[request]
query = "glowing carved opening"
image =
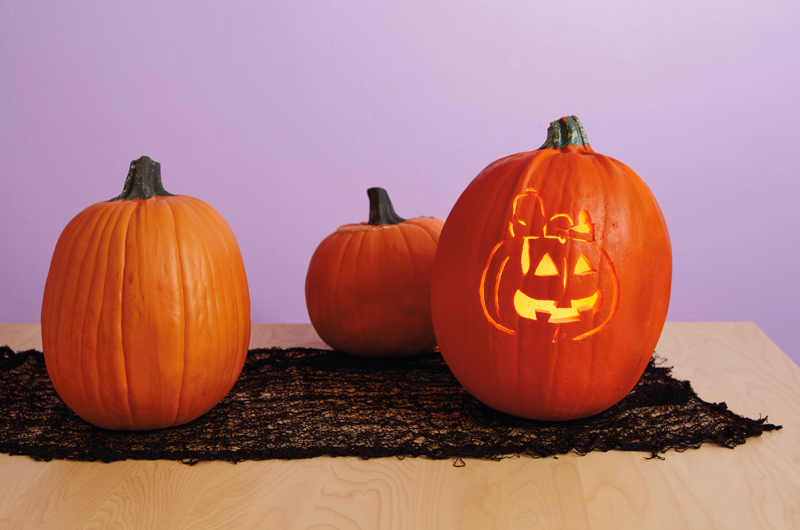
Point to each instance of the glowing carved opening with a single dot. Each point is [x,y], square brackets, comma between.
[527,307]
[584,266]
[546,267]
[526,257]
[520,216]
[558,227]
[584,223]
[529,214]
[497,286]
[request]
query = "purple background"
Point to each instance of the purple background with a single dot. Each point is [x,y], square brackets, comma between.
[281,114]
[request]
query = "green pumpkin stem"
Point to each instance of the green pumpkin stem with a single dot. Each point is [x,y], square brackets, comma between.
[381,211]
[566,131]
[143,182]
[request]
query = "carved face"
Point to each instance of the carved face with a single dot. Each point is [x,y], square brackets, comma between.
[558,281]
[558,276]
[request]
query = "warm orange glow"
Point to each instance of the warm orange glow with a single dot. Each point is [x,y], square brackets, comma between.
[561,227]
[527,193]
[584,266]
[553,231]
[584,223]
[482,290]
[497,286]
[526,257]
[614,300]
[546,267]
[566,216]
[527,307]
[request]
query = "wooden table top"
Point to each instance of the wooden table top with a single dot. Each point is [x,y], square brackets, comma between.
[756,485]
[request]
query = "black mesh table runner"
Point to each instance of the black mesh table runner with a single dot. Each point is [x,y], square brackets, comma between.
[302,403]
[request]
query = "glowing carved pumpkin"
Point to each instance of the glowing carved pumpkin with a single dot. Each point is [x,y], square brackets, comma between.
[559,263]
[552,279]
[368,284]
[146,309]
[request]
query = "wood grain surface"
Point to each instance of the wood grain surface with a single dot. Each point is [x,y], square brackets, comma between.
[755,486]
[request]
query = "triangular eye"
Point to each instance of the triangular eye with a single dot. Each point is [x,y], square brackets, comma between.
[546,267]
[584,266]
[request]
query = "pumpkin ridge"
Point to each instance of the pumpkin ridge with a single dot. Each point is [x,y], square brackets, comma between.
[79,363]
[78,316]
[130,236]
[357,275]
[126,213]
[170,361]
[119,326]
[54,289]
[531,167]
[612,176]
[424,227]
[225,270]
[212,305]
[340,251]
[240,290]
[335,291]
[94,334]
[638,189]
[65,256]
[202,220]
[183,291]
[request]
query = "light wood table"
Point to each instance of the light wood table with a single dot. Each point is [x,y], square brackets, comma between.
[756,485]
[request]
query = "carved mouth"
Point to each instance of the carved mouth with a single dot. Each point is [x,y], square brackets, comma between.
[527,307]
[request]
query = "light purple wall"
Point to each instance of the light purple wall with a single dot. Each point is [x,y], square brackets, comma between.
[281,114]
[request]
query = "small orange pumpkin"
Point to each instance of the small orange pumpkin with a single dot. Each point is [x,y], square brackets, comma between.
[552,280]
[146,309]
[368,284]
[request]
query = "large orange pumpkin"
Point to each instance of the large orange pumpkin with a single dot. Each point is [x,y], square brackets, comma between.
[368,285]
[146,310]
[552,280]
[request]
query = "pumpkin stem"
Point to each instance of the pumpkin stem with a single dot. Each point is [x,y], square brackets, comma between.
[381,211]
[143,182]
[566,131]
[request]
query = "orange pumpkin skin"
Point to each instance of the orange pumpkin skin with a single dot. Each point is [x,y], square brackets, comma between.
[146,312]
[571,339]
[368,287]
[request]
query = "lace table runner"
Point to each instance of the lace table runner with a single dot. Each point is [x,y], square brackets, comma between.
[302,403]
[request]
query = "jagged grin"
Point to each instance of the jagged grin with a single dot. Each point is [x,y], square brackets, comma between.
[527,307]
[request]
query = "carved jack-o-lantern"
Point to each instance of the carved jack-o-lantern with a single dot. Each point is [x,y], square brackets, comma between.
[549,273]
[552,280]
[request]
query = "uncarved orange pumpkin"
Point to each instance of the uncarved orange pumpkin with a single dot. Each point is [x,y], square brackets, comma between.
[368,285]
[146,310]
[552,280]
